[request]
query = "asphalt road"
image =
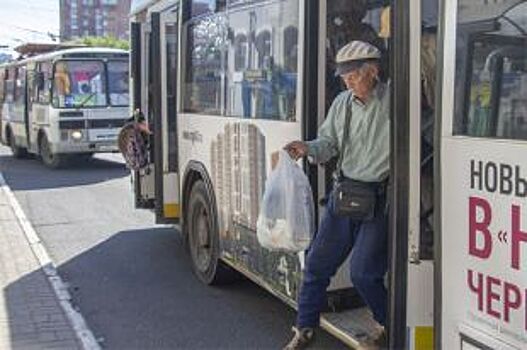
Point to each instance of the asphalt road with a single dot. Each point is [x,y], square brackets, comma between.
[131,279]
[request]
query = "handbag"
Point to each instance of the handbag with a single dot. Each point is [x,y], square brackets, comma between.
[353,199]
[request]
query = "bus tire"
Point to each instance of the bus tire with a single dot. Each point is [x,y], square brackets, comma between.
[50,159]
[203,239]
[18,152]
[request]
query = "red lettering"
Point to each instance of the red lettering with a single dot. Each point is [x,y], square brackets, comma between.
[479,227]
[509,303]
[518,236]
[478,289]
[498,298]
[491,296]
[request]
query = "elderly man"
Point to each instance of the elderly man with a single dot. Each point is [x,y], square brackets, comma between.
[366,160]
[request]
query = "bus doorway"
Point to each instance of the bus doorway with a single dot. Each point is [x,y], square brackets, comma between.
[406,36]
[156,62]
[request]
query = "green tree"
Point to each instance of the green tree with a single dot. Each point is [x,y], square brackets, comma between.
[104,41]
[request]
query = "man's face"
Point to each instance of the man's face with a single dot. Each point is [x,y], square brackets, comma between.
[361,80]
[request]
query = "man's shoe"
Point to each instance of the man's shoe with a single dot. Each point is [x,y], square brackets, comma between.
[301,338]
[375,342]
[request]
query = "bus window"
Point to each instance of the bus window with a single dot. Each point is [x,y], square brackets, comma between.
[3,77]
[429,11]
[20,85]
[9,86]
[118,83]
[353,20]
[206,37]
[200,7]
[79,83]
[492,72]
[262,76]
[44,93]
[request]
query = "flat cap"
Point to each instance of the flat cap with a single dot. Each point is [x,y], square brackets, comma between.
[353,54]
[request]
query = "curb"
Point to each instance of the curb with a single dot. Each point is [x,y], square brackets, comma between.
[83,333]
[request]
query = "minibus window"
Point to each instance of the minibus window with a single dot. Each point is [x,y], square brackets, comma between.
[44,92]
[118,83]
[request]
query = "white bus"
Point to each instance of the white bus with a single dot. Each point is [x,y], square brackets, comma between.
[225,83]
[65,103]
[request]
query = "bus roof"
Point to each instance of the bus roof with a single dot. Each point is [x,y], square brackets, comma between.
[33,49]
[87,52]
[139,5]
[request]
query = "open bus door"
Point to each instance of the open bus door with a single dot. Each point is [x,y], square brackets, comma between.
[156,41]
[143,179]
[168,160]
[402,29]
[3,76]
[483,251]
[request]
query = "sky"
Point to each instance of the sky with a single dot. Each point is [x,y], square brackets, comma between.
[27,21]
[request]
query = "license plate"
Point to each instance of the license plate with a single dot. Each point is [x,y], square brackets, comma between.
[106,148]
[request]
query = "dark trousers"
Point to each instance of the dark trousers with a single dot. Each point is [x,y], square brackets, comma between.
[335,239]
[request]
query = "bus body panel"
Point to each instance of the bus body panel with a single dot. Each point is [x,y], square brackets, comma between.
[483,185]
[237,156]
[485,275]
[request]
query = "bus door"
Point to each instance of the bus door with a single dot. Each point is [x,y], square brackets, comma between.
[405,34]
[168,194]
[412,290]
[157,186]
[141,72]
[483,274]
[31,97]
[3,77]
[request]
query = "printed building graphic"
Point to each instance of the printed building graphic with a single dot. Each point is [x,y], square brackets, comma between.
[238,172]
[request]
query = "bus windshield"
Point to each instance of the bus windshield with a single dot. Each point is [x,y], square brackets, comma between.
[118,83]
[83,84]
[79,84]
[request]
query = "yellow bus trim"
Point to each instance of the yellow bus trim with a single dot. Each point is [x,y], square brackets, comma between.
[424,338]
[172,210]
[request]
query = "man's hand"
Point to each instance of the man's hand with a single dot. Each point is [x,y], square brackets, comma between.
[296,149]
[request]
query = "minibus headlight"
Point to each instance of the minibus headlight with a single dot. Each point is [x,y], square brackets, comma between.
[76,135]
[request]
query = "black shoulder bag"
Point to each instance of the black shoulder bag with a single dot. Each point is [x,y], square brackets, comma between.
[353,199]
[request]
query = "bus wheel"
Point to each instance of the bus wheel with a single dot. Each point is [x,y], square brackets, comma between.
[203,239]
[18,152]
[50,159]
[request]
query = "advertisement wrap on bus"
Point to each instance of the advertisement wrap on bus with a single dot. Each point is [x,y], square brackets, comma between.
[484,183]
[487,217]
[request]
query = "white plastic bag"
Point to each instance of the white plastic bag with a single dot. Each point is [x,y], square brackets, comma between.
[286,220]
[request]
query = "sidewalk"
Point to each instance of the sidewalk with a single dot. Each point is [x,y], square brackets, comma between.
[31,314]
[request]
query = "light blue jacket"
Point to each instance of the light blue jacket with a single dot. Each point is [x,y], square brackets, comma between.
[367,152]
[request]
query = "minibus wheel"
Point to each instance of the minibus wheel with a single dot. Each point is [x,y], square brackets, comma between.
[50,159]
[203,238]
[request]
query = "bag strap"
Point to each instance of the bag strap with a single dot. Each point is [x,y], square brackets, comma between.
[347,126]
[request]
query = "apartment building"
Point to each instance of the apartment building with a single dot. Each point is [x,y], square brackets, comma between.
[80,18]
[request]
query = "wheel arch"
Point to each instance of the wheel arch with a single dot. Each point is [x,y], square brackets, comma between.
[196,171]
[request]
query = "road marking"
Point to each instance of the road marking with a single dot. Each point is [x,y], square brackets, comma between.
[81,329]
